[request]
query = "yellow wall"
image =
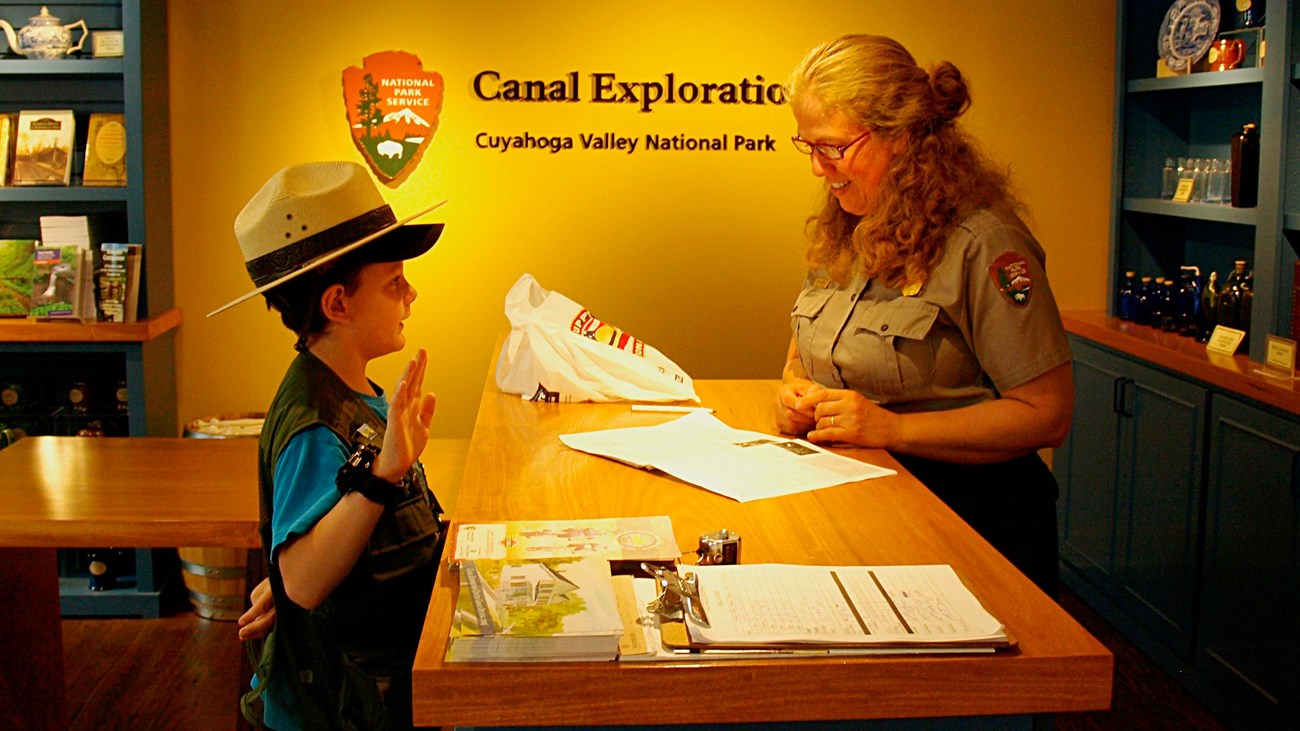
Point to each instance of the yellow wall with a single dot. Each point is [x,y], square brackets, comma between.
[697,253]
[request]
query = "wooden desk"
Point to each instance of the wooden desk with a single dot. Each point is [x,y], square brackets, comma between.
[516,468]
[70,492]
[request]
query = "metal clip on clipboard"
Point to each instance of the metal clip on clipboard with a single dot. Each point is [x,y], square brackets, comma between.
[678,595]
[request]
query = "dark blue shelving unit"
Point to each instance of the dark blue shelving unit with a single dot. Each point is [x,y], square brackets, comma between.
[1180,493]
[142,354]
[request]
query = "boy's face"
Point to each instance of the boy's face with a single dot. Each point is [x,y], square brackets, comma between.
[379,304]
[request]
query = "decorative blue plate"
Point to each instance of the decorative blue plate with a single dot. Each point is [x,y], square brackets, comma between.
[1187,32]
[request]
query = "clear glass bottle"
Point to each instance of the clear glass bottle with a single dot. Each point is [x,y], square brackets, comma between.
[1128,296]
[1168,179]
[1199,173]
[1214,178]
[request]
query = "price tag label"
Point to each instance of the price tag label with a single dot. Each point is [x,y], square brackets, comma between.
[1225,340]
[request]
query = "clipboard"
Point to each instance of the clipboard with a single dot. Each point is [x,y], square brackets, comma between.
[676,638]
[679,607]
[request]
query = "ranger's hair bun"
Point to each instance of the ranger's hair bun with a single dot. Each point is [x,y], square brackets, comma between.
[951,96]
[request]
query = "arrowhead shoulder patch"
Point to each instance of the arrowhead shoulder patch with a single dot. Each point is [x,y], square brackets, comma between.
[1010,273]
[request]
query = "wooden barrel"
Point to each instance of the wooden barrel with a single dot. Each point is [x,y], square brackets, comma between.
[217,578]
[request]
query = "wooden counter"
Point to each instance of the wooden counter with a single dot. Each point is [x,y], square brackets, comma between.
[1237,373]
[516,468]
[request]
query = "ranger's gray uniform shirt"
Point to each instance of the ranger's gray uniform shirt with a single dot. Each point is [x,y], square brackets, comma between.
[984,322]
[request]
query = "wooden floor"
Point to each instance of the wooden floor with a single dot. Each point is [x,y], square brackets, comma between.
[183,672]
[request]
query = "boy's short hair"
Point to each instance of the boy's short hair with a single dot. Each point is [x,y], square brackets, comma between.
[298,300]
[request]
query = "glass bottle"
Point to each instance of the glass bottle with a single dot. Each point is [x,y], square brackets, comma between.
[1200,171]
[1128,296]
[1230,296]
[1250,13]
[1245,167]
[1144,298]
[1214,182]
[1168,179]
[79,395]
[1169,314]
[1247,300]
[1189,299]
[1209,311]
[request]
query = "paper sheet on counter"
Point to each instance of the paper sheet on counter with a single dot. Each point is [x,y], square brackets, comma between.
[742,465]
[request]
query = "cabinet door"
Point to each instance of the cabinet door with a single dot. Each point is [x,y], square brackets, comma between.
[1085,467]
[1162,437]
[1248,637]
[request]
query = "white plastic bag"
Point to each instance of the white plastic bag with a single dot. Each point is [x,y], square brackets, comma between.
[558,351]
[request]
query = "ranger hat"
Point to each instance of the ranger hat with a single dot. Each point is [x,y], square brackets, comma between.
[311,214]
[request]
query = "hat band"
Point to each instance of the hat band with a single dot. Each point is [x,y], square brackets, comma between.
[289,259]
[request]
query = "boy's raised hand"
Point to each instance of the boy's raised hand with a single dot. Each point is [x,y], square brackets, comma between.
[410,413]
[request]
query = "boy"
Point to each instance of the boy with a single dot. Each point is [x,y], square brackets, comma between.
[348,523]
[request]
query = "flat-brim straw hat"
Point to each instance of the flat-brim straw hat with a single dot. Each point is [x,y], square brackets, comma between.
[311,214]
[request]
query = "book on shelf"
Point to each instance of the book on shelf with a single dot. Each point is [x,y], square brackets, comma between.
[43,152]
[85,232]
[873,609]
[59,276]
[113,282]
[17,270]
[134,265]
[105,150]
[526,610]
[7,128]
[625,542]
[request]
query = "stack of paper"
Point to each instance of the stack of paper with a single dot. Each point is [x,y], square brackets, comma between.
[764,605]
[742,465]
[555,609]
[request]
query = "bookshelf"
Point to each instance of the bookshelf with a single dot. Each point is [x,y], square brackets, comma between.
[51,357]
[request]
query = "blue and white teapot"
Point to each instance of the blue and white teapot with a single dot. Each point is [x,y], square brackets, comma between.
[44,38]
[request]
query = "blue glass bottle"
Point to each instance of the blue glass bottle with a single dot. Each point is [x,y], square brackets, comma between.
[1142,315]
[1169,313]
[1189,300]
[1128,296]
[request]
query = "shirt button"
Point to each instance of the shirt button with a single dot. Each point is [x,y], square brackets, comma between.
[884,328]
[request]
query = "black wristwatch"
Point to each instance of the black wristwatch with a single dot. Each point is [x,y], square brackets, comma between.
[355,476]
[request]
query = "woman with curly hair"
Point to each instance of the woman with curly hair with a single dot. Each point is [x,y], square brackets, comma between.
[926,325]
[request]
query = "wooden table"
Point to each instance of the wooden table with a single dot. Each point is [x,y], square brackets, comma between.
[76,492]
[517,469]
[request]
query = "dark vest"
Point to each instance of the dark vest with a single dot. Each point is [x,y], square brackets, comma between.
[365,633]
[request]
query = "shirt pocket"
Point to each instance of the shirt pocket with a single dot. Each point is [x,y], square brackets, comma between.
[404,539]
[889,350]
[803,318]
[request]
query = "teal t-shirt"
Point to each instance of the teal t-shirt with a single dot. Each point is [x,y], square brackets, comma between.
[304,491]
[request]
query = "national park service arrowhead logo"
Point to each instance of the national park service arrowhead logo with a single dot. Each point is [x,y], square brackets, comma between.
[393,106]
[1010,272]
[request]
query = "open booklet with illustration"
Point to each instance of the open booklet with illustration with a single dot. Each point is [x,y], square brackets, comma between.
[742,465]
[624,542]
[791,610]
[528,610]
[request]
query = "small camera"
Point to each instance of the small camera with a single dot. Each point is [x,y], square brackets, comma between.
[719,547]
